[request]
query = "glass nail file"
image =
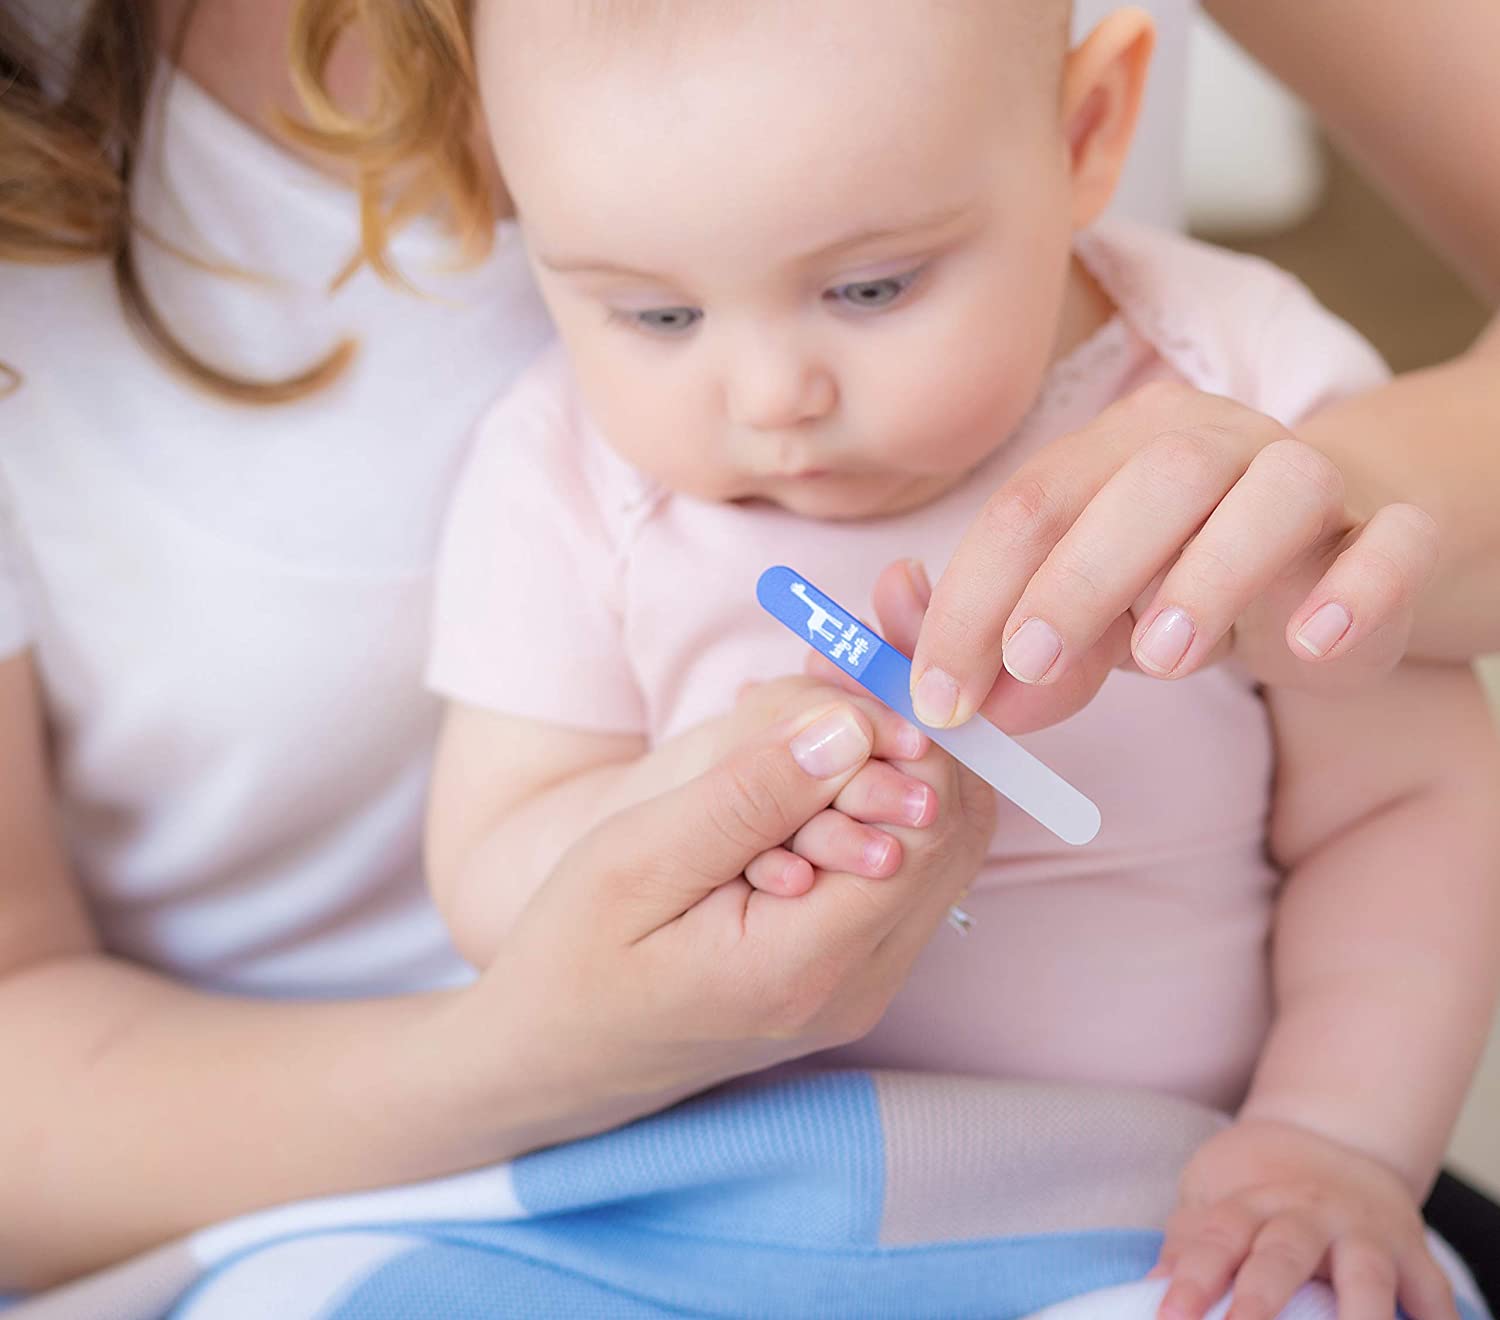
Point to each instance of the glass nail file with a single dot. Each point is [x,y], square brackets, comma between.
[871,661]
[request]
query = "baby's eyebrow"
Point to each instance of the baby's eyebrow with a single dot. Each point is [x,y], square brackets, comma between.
[592,266]
[912,228]
[919,225]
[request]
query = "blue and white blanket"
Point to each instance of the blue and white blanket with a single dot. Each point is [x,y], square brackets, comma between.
[860,1194]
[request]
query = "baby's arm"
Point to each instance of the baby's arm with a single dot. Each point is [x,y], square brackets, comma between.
[508,797]
[1387,944]
[511,795]
[1385,957]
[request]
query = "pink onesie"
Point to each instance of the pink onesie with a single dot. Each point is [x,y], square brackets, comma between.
[574,590]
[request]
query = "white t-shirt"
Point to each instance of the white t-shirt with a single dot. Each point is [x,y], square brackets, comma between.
[228,604]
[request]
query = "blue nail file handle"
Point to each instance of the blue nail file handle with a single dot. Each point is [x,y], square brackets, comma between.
[870,660]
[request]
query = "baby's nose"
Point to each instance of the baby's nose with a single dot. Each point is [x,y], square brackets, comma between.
[775,395]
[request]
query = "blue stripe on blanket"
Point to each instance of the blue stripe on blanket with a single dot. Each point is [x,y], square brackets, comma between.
[812,1145]
[765,1199]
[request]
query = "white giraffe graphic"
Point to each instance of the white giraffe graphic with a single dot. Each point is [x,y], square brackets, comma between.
[818,618]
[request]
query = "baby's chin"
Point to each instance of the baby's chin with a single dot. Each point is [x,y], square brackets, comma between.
[840,497]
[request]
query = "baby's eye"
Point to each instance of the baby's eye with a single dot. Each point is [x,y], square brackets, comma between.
[664,320]
[871,294]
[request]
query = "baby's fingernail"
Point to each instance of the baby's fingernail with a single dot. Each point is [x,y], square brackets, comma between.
[877,854]
[935,698]
[1032,650]
[1321,633]
[919,582]
[1166,641]
[911,743]
[831,745]
[914,805]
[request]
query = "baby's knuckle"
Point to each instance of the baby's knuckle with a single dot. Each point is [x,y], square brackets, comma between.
[1369,1267]
[1284,1243]
[1222,1230]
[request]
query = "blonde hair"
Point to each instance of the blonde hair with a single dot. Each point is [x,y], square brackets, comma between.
[417,148]
[67,157]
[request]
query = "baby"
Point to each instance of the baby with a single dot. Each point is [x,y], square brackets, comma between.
[825,273]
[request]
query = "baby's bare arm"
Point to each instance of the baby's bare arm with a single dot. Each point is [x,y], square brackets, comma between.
[1386,949]
[509,797]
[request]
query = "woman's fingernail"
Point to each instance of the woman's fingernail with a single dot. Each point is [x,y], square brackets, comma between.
[935,698]
[919,582]
[914,805]
[1166,641]
[1321,633]
[831,745]
[1032,650]
[877,853]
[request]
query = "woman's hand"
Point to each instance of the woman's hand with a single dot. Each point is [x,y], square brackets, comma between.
[1265,1207]
[647,967]
[848,836]
[1175,527]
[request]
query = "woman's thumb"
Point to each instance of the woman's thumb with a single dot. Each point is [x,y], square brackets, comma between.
[699,836]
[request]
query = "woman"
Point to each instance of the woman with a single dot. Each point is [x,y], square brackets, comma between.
[217,832]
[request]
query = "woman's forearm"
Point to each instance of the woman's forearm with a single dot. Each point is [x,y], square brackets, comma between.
[1432,438]
[135,1110]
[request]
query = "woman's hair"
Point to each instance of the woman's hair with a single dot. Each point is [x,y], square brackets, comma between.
[416,147]
[71,126]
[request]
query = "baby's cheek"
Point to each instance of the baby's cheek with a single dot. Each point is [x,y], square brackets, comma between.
[661,427]
[962,407]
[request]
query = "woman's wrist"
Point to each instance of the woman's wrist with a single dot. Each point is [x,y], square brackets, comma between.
[508,1078]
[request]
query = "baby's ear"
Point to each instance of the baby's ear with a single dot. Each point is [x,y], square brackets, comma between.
[1104,78]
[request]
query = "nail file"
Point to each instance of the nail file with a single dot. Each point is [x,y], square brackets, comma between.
[833,632]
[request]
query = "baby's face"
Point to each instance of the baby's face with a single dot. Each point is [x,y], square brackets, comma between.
[806,251]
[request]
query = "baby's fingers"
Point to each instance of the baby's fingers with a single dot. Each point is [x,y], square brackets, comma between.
[881,795]
[1286,1253]
[778,871]
[1421,1287]
[1203,1250]
[1364,1280]
[830,841]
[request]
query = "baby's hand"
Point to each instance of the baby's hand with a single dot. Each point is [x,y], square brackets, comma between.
[846,837]
[1266,1206]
